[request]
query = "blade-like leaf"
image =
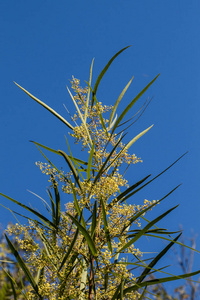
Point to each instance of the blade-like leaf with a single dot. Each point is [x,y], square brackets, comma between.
[131,104]
[90,160]
[88,93]
[127,191]
[137,236]
[23,266]
[69,249]
[85,234]
[103,72]
[178,243]
[158,281]
[78,161]
[155,260]
[81,117]
[72,264]
[127,146]
[112,124]
[68,160]
[118,101]
[100,116]
[143,293]
[141,212]
[137,137]
[44,219]
[52,207]
[73,160]
[94,219]
[102,169]
[58,209]
[131,194]
[47,107]
[107,233]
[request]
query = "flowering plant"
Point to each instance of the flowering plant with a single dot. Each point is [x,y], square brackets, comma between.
[88,251]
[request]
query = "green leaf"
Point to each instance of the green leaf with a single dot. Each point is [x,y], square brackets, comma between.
[155,260]
[52,207]
[141,212]
[69,250]
[131,104]
[125,198]
[143,293]
[103,72]
[58,209]
[85,234]
[158,281]
[121,289]
[127,191]
[79,161]
[72,158]
[107,233]
[100,116]
[118,101]
[68,160]
[137,137]
[44,219]
[166,239]
[81,117]
[94,220]
[128,145]
[47,107]
[144,230]
[59,172]
[48,250]
[90,160]
[23,266]
[88,93]
[72,264]
[102,169]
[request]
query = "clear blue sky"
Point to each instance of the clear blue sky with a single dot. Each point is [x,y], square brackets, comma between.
[44,43]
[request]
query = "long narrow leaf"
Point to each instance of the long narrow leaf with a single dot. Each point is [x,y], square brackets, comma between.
[103,72]
[143,211]
[128,145]
[23,266]
[155,260]
[118,101]
[100,116]
[85,234]
[107,233]
[81,117]
[47,107]
[127,191]
[79,161]
[158,281]
[132,241]
[44,219]
[88,93]
[72,158]
[94,220]
[69,249]
[131,194]
[68,160]
[102,169]
[131,104]
[72,264]
[90,160]
[58,209]
[52,207]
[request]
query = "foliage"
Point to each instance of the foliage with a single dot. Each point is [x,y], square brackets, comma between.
[89,250]
[190,290]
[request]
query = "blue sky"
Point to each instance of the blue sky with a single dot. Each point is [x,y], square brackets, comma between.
[44,43]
